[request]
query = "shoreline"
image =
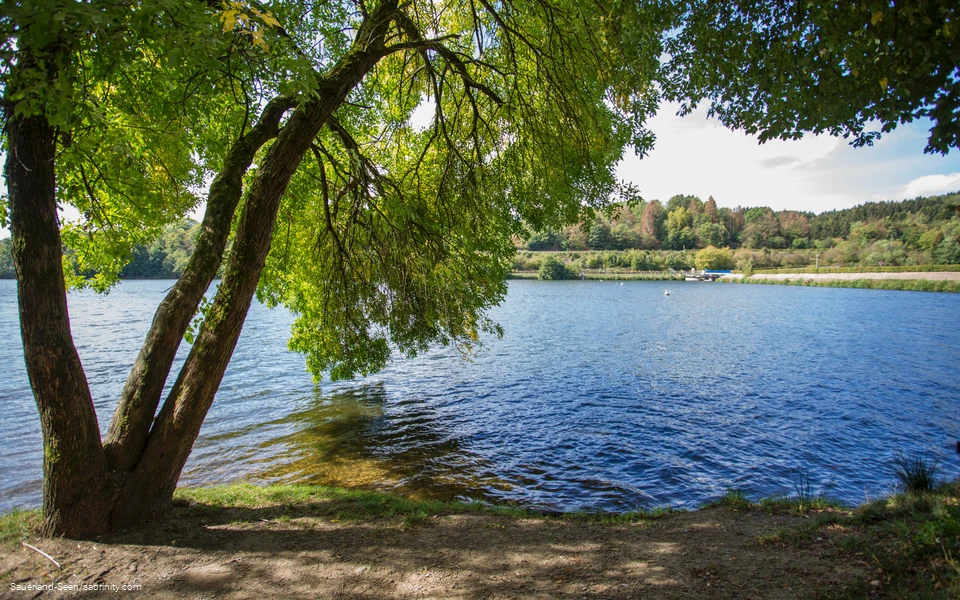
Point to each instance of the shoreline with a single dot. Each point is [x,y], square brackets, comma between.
[934,281]
[244,541]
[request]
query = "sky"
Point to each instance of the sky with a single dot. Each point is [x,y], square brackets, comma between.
[698,156]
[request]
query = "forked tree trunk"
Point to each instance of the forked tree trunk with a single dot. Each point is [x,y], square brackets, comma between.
[89,487]
[150,490]
[77,490]
[134,415]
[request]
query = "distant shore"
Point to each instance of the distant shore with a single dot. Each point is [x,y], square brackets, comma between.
[931,276]
[935,281]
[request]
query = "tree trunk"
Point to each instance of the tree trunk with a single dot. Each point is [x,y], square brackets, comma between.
[88,486]
[77,490]
[150,490]
[134,415]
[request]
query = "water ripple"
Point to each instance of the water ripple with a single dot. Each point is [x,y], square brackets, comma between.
[599,396]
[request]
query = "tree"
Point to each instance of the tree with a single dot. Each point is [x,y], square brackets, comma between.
[648,225]
[599,237]
[377,233]
[779,69]
[711,234]
[545,240]
[6,259]
[793,225]
[760,225]
[680,233]
[947,252]
[714,258]
[710,209]
[553,268]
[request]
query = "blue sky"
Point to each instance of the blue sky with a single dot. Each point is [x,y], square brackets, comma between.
[696,155]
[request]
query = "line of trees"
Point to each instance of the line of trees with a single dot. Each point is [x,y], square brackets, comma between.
[919,231]
[165,257]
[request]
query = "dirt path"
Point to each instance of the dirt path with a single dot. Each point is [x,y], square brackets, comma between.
[243,553]
[932,276]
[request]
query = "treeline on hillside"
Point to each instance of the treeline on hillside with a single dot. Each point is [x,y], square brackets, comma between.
[6,259]
[911,232]
[166,256]
[920,231]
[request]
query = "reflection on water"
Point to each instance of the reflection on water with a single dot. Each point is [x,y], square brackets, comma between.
[599,396]
[354,438]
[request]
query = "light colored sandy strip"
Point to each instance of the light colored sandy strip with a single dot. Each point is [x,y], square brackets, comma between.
[932,276]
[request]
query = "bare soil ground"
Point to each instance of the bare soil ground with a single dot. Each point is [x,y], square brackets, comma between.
[290,553]
[931,276]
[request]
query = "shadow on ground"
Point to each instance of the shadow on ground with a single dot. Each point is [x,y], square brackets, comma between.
[302,552]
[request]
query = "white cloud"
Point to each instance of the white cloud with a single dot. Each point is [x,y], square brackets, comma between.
[694,155]
[931,185]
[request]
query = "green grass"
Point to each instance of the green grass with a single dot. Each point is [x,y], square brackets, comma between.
[732,499]
[914,541]
[18,525]
[324,501]
[803,501]
[916,285]
[343,504]
[911,541]
[916,473]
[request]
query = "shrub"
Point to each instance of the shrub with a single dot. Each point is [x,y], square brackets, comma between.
[714,258]
[553,268]
[916,473]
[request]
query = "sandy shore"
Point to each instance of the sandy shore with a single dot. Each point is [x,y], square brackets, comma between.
[932,276]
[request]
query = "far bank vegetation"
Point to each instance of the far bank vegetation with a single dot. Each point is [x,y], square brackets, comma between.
[688,233]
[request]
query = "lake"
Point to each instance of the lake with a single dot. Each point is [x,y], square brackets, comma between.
[598,396]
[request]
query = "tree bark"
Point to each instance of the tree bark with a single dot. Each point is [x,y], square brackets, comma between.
[177,426]
[77,490]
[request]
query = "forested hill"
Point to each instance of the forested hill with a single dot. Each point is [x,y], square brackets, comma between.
[919,231]
[164,258]
[837,223]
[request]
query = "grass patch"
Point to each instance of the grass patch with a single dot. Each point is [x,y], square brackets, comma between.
[913,542]
[290,501]
[916,473]
[323,501]
[733,499]
[18,525]
[914,285]
[804,501]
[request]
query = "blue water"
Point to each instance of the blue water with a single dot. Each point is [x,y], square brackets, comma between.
[599,396]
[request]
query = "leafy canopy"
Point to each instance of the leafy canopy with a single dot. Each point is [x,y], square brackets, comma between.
[779,69]
[394,232]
